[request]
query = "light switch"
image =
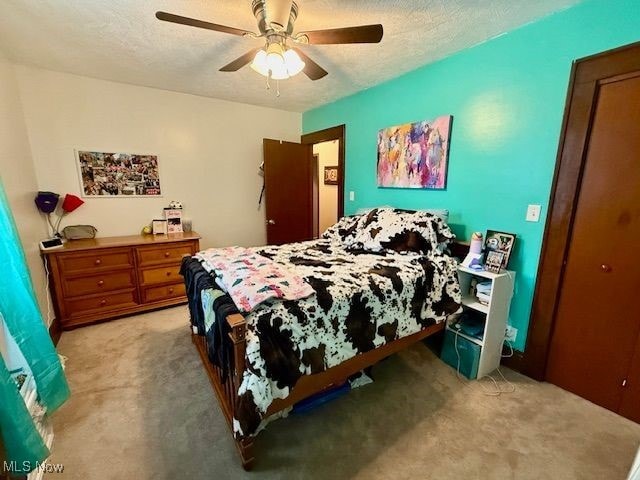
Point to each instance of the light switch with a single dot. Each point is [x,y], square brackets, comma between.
[533,213]
[352,196]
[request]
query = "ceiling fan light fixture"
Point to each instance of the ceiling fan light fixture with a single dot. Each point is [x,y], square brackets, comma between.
[270,64]
[280,73]
[276,24]
[277,62]
[259,63]
[293,62]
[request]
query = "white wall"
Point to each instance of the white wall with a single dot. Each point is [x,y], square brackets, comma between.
[327,194]
[208,151]
[19,178]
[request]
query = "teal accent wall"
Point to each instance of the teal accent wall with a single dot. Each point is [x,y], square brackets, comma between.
[507,98]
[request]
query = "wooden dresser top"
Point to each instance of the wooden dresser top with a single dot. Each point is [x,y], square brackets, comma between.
[126,241]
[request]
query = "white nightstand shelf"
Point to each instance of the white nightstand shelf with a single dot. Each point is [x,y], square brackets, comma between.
[496,314]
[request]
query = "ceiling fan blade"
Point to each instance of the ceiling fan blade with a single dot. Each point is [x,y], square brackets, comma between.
[192,22]
[241,61]
[311,68]
[362,34]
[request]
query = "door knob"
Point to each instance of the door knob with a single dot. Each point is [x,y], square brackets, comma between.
[605,268]
[271,222]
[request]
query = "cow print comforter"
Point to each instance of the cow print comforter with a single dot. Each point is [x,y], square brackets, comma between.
[361,301]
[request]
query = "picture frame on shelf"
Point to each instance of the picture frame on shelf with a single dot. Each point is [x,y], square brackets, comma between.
[173,216]
[502,242]
[159,227]
[493,262]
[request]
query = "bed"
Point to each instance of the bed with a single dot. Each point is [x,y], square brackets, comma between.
[378,282]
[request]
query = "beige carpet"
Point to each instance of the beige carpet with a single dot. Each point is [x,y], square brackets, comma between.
[142,408]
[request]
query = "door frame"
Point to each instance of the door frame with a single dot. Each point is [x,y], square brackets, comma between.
[315,193]
[333,133]
[586,76]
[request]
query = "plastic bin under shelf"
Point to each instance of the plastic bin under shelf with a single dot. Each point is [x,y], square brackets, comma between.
[468,350]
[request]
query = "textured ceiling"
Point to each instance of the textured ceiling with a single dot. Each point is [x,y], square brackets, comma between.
[121,40]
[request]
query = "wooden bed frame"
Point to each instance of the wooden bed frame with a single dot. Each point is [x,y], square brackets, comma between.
[306,386]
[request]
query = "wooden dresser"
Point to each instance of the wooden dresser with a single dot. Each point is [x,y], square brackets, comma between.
[103,278]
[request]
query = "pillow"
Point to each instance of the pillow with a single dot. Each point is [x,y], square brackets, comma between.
[401,231]
[443,213]
[344,231]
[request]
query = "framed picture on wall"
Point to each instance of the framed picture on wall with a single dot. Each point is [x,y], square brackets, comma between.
[415,155]
[331,175]
[110,174]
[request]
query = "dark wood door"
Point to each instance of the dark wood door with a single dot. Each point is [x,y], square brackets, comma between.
[288,180]
[594,348]
[630,405]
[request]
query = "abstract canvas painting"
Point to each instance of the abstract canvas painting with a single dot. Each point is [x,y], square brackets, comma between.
[118,174]
[415,155]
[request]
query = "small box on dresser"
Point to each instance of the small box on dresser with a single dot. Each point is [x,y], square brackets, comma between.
[103,278]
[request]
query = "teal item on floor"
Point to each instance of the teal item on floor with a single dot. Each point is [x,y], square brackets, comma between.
[24,323]
[469,354]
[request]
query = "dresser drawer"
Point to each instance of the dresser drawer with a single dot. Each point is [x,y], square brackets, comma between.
[155,276]
[105,282]
[166,292]
[100,303]
[157,255]
[96,259]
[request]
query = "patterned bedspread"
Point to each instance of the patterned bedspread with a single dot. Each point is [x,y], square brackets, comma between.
[251,278]
[361,301]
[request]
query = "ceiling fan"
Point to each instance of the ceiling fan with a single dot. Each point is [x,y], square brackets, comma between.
[276,59]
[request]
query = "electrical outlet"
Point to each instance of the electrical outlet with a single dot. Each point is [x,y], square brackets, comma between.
[352,196]
[510,333]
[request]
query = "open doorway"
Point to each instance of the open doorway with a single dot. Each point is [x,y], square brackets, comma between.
[327,177]
[325,155]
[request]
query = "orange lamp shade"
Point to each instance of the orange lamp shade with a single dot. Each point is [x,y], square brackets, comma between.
[70,203]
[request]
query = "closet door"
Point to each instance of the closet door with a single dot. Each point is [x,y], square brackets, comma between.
[594,348]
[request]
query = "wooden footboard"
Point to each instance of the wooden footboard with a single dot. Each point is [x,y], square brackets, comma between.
[306,386]
[227,392]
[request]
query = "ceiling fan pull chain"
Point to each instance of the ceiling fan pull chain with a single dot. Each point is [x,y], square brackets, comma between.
[277,88]
[268,78]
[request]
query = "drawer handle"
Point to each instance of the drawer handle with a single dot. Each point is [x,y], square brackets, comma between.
[166,254]
[168,274]
[171,290]
[100,283]
[103,303]
[98,261]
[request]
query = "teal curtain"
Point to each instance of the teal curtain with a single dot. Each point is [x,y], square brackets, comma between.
[24,322]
